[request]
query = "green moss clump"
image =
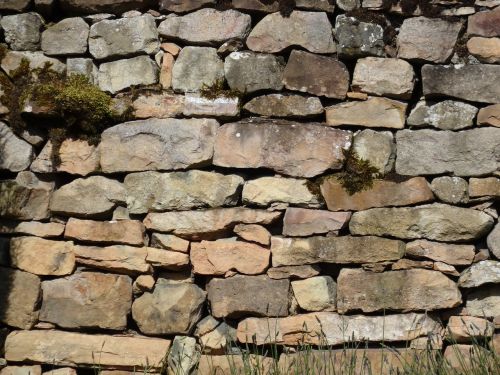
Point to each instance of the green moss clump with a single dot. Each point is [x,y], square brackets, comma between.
[217,90]
[358,173]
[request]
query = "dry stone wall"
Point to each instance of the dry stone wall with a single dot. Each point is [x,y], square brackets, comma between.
[209,220]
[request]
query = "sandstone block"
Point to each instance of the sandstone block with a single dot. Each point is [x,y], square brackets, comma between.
[33,228]
[169,242]
[486,50]
[493,241]
[489,115]
[456,255]
[221,107]
[170,260]
[161,105]
[484,302]
[467,328]
[13,59]
[254,233]
[316,293]
[127,232]
[21,370]
[305,222]
[118,258]
[293,272]
[481,187]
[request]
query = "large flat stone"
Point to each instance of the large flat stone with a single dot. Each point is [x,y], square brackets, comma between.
[305,222]
[279,105]
[157,144]
[456,255]
[409,290]
[17,154]
[158,105]
[141,70]
[295,149]
[33,228]
[170,260]
[118,258]
[446,115]
[437,221]
[127,232]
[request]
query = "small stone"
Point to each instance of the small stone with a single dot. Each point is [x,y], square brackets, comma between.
[316,293]
[166,69]
[407,264]
[37,60]
[451,190]
[254,233]
[467,328]
[117,258]
[489,115]
[493,241]
[83,66]
[484,302]
[219,338]
[293,272]
[357,38]
[183,356]
[67,37]
[169,242]
[348,5]
[377,147]
[279,105]
[486,50]
[143,283]
[33,228]
[484,187]
[161,105]
[485,272]
[170,260]
[230,46]
[22,31]
[485,23]
[446,115]
[482,254]
[127,232]
[221,107]
[317,75]
[457,255]
[171,48]
[17,154]
[446,269]
[305,222]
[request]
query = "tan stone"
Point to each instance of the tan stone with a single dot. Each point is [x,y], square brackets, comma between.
[446,269]
[42,257]
[166,69]
[486,50]
[158,105]
[59,348]
[34,228]
[293,272]
[171,260]
[481,187]
[383,193]
[306,222]
[374,112]
[61,371]
[489,115]
[143,283]
[127,232]
[409,290]
[169,242]
[316,293]
[253,233]
[406,264]
[233,364]
[171,48]
[21,370]
[219,257]
[118,258]
[466,328]
[457,255]
[462,357]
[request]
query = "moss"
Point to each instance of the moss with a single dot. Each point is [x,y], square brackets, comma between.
[358,173]
[218,89]
[461,47]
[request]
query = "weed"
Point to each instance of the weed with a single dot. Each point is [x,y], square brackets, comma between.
[358,174]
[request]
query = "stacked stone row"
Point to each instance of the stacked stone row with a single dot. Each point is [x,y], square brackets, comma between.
[211,221]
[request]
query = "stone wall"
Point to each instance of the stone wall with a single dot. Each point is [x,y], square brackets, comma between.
[222,213]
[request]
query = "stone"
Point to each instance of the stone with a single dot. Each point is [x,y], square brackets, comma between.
[427,39]
[166,68]
[21,370]
[466,153]
[22,31]
[283,146]
[33,228]
[460,357]
[206,224]
[257,5]
[267,191]
[484,187]
[91,197]
[324,5]
[76,156]
[484,272]
[158,105]
[446,269]
[317,75]
[249,72]
[382,193]
[335,250]
[456,255]
[182,6]
[409,290]
[467,328]
[279,105]
[59,348]
[37,60]
[99,6]
[316,293]
[336,329]
[240,296]
[357,38]
[155,191]
[25,198]
[157,144]
[225,364]
[293,272]
[451,190]
[87,300]
[172,308]
[471,82]
[484,302]
[493,241]
[306,222]
[84,66]
[206,26]
[486,50]
[484,23]
[220,107]
[170,260]
[348,5]
[127,232]
[141,70]
[489,115]
[17,154]
[15,5]
[377,147]
[253,233]
[446,115]
[67,37]
[169,242]
[183,356]
[390,77]
[310,30]
[22,291]
[42,257]
[118,258]
[219,257]
[196,68]
[124,37]
[219,338]
[407,264]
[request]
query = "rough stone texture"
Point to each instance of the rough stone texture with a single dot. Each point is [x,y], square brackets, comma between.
[127,232]
[17,154]
[376,147]
[437,221]
[22,31]
[467,328]
[170,260]
[357,38]
[489,115]
[305,222]
[254,233]
[310,30]
[166,68]
[493,241]
[118,258]
[383,193]
[374,112]
[221,107]
[485,23]
[317,75]
[295,149]
[169,242]
[158,105]
[183,356]
[338,250]
[267,191]
[42,257]
[155,144]
[154,191]
[457,255]
[170,309]
[67,37]
[13,59]
[279,105]
[293,272]
[22,291]
[486,50]
[304,328]
[33,228]
[220,257]
[84,66]
[481,187]
[21,370]
[316,293]
[250,72]
[484,302]
[87,300]
[446,115]
[240,296]
[466,153]
[451,190]
[15,5]
[472,82]
[484,272]
[207,26]
[124,37]
[410,290]
[141,70]
[427,39]
[94,196]
[71,349]
[384,77]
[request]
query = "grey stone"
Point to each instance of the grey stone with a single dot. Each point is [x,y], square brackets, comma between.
[181,6]
[22,31]
[67,37]
[484,302]
[446,115]
[348,4]
[195,68]
[141,70]
[100,6]
[196,105]
[17,154]
[316,293]
[484,272]
[493,241]
[456,255]
[465,153]
[83,66]
[36,60]
[279,105]
[15,5]
[183,356]
[249,71]
[358,39]
[124,37]
[376,147]
[451,190]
